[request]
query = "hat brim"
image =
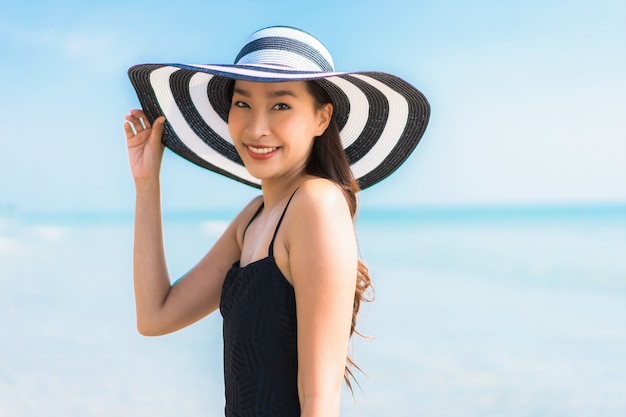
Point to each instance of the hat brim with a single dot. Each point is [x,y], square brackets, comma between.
[381,117]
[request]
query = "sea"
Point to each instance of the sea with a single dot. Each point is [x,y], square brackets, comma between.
[514,312]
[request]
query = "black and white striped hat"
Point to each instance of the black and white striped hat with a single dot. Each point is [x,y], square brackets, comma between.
[381,117]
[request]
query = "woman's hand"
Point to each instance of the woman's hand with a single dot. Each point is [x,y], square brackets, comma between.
[145,150]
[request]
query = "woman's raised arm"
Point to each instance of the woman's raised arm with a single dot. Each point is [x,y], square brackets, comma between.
[161,307]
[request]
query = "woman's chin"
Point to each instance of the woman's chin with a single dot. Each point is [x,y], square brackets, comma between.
[259,174]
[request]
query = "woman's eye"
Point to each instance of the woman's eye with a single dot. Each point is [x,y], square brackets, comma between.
[281,106]
[240,104]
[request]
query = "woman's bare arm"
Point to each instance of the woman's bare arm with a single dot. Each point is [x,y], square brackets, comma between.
[161,307]
[322,266]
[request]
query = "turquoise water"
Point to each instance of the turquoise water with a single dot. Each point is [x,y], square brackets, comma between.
[517,312]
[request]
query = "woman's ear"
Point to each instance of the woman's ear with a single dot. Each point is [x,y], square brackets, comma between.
[325,114]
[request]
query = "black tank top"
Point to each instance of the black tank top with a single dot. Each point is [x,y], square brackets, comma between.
[258,305]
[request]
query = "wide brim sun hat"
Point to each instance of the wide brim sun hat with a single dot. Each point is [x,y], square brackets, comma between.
[381,117]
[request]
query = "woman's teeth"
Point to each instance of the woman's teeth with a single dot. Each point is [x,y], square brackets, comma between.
[262,150]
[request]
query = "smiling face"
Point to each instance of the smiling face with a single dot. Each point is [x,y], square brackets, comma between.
[273,126]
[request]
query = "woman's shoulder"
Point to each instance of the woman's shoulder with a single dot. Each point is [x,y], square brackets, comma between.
[249,209]
[245,215]
[320,196]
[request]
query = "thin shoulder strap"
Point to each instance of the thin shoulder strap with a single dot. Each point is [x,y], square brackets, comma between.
[256,213]
[271,249]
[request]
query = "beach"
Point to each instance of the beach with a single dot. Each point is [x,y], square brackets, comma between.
[477,313]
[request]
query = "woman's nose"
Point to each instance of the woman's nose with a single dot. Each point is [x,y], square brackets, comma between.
[257,125]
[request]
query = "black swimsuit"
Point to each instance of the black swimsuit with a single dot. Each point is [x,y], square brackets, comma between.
[258,305]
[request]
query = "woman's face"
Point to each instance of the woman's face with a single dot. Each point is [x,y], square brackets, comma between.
[273,126]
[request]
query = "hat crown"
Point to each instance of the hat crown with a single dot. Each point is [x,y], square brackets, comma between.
[285,47]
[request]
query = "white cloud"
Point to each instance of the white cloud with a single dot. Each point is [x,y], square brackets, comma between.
[98,49]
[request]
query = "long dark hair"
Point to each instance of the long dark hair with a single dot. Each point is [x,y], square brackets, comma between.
[328,160]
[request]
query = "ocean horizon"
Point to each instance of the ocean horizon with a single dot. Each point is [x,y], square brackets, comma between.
[399,213]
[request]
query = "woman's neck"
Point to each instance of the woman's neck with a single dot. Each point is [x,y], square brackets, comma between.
[275,191]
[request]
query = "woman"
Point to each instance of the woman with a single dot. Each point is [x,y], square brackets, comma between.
[285,274]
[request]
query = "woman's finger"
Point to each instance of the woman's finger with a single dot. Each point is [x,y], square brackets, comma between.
[159,125]
[130,133]
[141,116]
[136,123]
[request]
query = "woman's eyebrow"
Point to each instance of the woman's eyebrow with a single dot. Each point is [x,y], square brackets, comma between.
[241,92]
[280,93]
[271,94]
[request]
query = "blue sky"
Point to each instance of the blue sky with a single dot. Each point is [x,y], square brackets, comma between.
[528,98]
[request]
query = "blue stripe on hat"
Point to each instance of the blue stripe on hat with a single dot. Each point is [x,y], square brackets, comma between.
[285,44]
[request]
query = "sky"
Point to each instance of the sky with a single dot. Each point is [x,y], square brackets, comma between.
[528,98]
